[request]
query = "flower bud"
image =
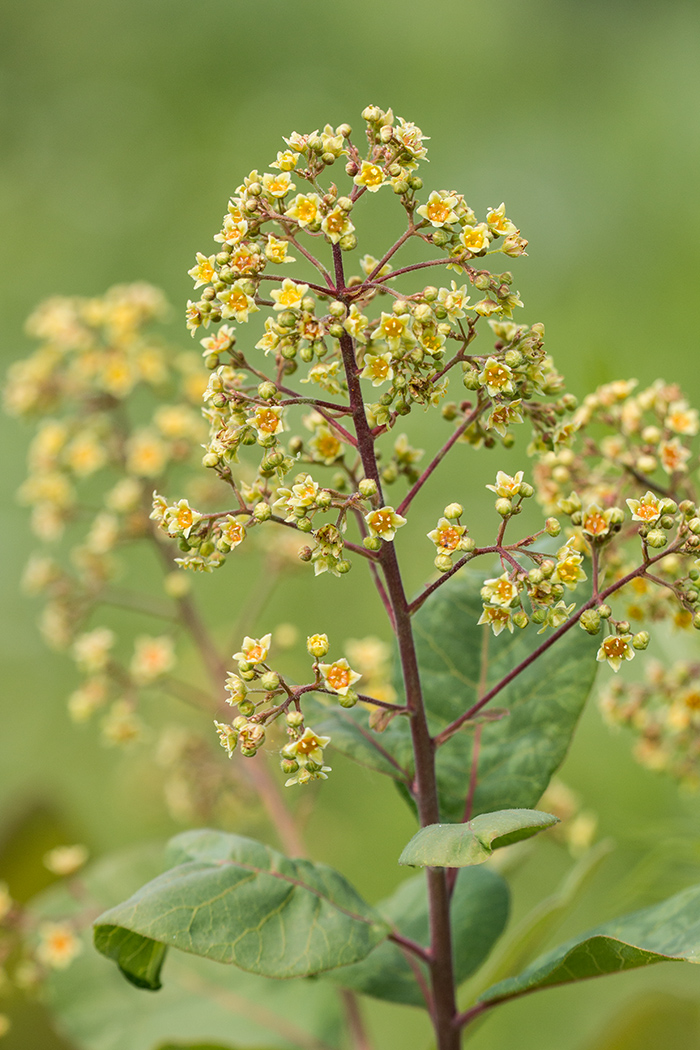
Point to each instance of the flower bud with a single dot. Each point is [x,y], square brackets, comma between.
[349,700]
[246,708]
[552,527]
[640,640]
[526,490]
[668,506]
[270,680]
[453,511]
[605,612]
[372,543]
[305,524]
[521,619]
[262,512]
[367,488]
[504,507]
[317,645]
[288,766]
[293,718]
[347,242]
[267,390]
[656,538]
[539,615]
[343,566]
[305,554]
[443,563]
[547,568]
[590,621]
[694,526]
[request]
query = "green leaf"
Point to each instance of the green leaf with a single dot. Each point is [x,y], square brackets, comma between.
[473,842]
[459,661]
[668,931]
[202,1003]
[236,901]
[479,912]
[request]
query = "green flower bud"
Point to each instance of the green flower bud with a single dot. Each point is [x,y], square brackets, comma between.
[622,627]
[443,563]
[349,700]
[305,524]
[590,621]
[267,390]
[696,621]
[294,718]
[288,766]
[471,380]
[305,554]
[539,615]
[453,511]
[372,543]
[687,508]
[504,507]
[694,526]
[552,527]
[343,566]
[521,619]
[247,675]
[605,612]
[535,576]
[262,512]
[246,708]
[570,505]
[211,361]
[211,459]
[449,411]
[367,488]
[547,568]
[430,293]
[640,640]
[656,538]
[526,490]
[270,680]
[347,242]
[668,506]
[324,499]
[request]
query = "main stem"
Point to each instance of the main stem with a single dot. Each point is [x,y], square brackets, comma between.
[425,785]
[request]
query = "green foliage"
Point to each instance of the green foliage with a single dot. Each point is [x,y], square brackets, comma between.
[668,931]
[459,661]
[234,900]
[202,1004]
[459,845]
[479,912]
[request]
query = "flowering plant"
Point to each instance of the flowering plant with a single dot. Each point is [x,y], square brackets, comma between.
[299,434]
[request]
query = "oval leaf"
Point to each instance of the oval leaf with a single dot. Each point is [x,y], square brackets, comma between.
[237,901]
[669,931]
[473,842]
[478,911]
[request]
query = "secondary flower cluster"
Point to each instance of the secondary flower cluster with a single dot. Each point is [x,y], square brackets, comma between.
[664,713]
[262,695]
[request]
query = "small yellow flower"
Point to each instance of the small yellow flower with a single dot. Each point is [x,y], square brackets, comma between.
[336,224]
[507,486]
[497,377]
[232,531]
[355,323]
[58,945]
[370,175]
[501,591]
[502,416]
[596,521]
[498,223]
[308,748]
[228,737]
[317,645]
[475,238]
[254,650]
[147,454]
[615,649]
[647,509]
[180,519]
[439,209]
[152,658]
[497,618]
[339,676]
[286,160]
[378,368]
[204,270]
[395,328]
[289,296]
[448,537]
[276,250]
[278,185]
[326,446]
[304,209]
[233,231]
[66,860]
[568,570]
[384,522]
[681,419]
[454,301]
[411,138]
[237,303]
[267,420]
[673,455]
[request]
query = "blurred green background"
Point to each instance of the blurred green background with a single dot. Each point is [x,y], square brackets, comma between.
[124,127]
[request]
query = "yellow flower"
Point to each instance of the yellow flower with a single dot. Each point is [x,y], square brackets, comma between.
[278,185]
[647,509]
[91,650]
[152,658]
[615,649]
[147,454]
[596,521]
[378,368]
[475,238]
[237,303]
[507,486]
[394,328]
[339,676]
[233,231]
[217,344]
[439,209]
[276,250]
[304,208]
[568,570]
[454,300]
[673,455]
[336,224]
[180,519]
[497,377]
[58,945]
[232,531]
[448,537]
[501,591]
[326,446]
[355,323]
[267,421]
[254,650]
[289,296]
[370,175]
[497,618]
[286,160]
[681,419]
[384,522]
[204,270]
[502,416]
[498,223]
[317,645]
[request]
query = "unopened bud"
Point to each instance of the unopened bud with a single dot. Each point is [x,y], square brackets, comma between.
[504,507]
[521,619]
[262,512]
[443,563]
[317,645]
[552,527]
[656,538]
[270,680]
[605,612]
[367,488]
[453,511]
[349,700]
[295,719]
[246,708]
[590,621]
[640,640]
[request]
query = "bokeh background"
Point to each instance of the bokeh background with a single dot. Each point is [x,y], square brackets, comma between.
[125,126]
